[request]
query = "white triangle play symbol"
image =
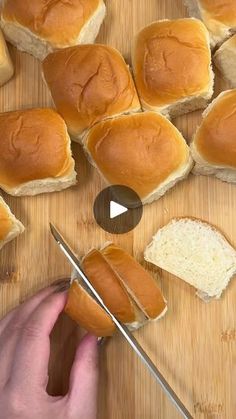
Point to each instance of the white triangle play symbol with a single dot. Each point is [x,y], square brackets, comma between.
[116,209]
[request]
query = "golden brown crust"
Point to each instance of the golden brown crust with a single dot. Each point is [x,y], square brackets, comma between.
[87,313]
[140,283]
[89,83]
[108,286]
[56,21]
[34,145]
[218,10]
[139,151]
[5,222]
[171,61]
[215,139]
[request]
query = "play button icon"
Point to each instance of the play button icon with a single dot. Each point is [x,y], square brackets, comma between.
[117,209]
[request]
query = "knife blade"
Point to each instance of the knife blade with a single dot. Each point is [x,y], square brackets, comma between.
[71,256]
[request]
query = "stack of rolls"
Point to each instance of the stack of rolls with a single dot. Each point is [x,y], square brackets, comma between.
[127,289]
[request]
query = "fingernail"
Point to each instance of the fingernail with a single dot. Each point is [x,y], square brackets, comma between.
[63,287]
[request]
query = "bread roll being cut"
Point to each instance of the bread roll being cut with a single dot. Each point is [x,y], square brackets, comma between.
[35,153]
[172,66]
[225,60]
[144,152]
[196,252]
[128,291]
[219,16]
[6,66]
[89,83]
[40,27]
[214,144]
[10,227]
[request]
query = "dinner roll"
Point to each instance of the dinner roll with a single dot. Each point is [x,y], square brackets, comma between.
[172,66]
[89,83]
[6,66]
[143,151]
[10,227]
[35,153]
[214,144]
[225,60]
[40,27]
[219,17]
[128,291]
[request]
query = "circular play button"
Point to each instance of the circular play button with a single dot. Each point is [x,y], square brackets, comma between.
[118,209]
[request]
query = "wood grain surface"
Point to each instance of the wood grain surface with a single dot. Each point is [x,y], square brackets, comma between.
[195,344]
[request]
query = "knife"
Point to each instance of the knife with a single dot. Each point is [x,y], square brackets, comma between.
[71,256]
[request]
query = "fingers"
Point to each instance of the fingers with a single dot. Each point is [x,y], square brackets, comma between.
[30,364]
[84,380]
[11,327]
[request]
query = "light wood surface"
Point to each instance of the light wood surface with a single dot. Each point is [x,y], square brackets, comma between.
[195,344]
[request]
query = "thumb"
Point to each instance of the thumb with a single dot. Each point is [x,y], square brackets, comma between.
[84,379]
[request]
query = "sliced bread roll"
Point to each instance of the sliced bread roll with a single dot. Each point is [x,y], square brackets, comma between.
[225,60]
[196,252]
[35,152]
[10,227]
[214,144]
[172,66]
[40,27]
[218,16]
[128,291]
[143,151]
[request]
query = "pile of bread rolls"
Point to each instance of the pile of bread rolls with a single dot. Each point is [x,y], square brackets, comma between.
[121,117]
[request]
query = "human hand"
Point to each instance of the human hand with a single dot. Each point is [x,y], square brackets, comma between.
[24,356]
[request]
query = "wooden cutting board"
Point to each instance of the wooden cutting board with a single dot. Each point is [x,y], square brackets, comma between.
[195,344]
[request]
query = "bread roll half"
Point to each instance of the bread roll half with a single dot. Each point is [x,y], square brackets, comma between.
[214,144]
[144,152]
[172,66]
[40,27]
[128,291]
[218,16]
[196,252]
[89,83]
[225,60]
[35,153]
[10,227]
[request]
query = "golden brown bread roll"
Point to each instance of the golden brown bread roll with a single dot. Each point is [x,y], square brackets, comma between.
[35,153]
[128,291]
[144,152]
[214,144]
[10,227]
[219,16]
[89,83]
[83,309]
[39,27]
[172,66]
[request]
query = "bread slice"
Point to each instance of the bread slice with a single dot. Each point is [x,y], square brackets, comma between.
[196,252]
[213,145]
[218,16]
[172,66]
[10,227]
[36,27]
[225,60]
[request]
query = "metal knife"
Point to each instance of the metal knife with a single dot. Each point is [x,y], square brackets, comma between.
[123,329]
